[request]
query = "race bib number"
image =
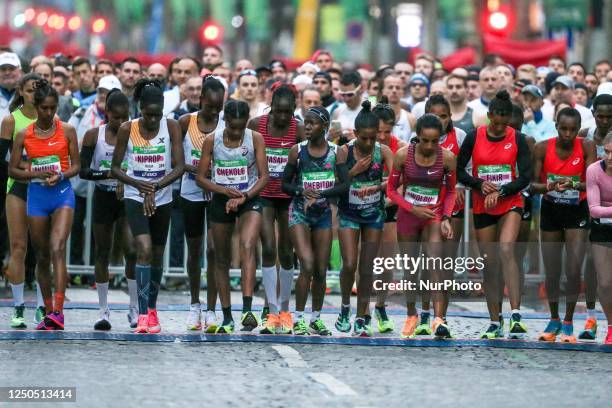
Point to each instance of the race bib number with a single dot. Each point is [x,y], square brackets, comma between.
[47,163]
[150,161]
[421,196]
[196,155]
[277,160]
[359,203]
[567,197]
[232,173]
[318,180]
[498,174]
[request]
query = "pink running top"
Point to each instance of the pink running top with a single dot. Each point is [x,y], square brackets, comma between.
[599,190]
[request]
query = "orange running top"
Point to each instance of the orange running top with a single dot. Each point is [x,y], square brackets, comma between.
[50,154]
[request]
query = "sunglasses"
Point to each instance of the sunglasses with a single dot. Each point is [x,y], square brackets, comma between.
[417,84]
[247,72]
[350,94]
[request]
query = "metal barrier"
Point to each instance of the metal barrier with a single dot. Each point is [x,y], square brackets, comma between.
[180,272]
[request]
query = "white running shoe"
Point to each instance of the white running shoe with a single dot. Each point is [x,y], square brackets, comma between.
[103,323]
[132,316]
[194,321]
[210,321]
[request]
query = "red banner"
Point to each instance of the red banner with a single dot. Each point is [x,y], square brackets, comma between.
[524,52]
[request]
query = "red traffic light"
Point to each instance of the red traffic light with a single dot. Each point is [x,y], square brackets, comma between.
[211,33]
[98,25]
[500,21]
[74,23]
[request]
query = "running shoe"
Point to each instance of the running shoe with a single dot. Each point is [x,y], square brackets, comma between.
[409,326]
[272,324]
[493,332]
[132,317]
[441,330]
[39,316]
[423,328]
[265,311]
[41,325]
[608,339]
[210,322]
[194,320]
[360,329]
[368,325]
[153,322]
[343,323]
[142,326]
[300,328]
[227,328]
[318,327]
[286,323]
[590,330]
[54,321]
[103,323]
[552,330]
[17,320]
[501,324]
[567,333]
[517,329]
[385,324]
[249,321]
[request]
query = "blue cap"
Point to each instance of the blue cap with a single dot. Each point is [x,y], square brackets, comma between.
[418,77]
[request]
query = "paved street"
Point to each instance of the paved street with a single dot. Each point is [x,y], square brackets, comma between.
[270,374]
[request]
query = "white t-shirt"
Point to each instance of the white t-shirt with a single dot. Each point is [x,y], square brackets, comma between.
[346,116]
[402,128]
[479,108]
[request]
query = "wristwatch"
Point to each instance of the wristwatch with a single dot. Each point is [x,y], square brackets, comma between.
[245,195]
[575,185]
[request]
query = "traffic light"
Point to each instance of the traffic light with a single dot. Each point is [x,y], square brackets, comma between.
[499,21]
[211,33]
[98,25]
[74,23]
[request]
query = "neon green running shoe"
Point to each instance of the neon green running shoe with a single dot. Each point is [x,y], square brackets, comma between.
[41,312]
[300,328]
[227,328]
[343,323]
[318,327]
[362,329]
[385,325]
[423,328]
[493,332]
[17,320]
[249,321]
[518,329]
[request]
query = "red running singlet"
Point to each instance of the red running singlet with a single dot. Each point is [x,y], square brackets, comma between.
[574,167]
[277,151]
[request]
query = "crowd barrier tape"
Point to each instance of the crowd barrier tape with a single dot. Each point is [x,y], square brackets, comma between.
[16,335]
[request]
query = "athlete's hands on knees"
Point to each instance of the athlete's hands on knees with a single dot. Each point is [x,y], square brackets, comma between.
[491,200]
[145,188]
[309,202]
[446,229]
[460,196]
[233,204]
[53,179]
[487,188]
[232,192]
[148,205]
[423,212]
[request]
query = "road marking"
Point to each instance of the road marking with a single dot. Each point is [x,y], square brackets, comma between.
[337,387]
[290,355]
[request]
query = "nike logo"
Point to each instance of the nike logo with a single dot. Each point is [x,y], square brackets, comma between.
[431,172]
[450,146]
[63,190]
[508,146]
[286,143]
[53,144]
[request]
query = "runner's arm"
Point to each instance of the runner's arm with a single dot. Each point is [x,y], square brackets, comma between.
[464,157]
[202,179]
[184,124]
[590,156]
[536,186]
[87,153]
[394,180]
[177,154]
[344,181]
[261,161]
[450,165]
[288,185]
[6,135]
[14,170]
[523,161]
[594,195]
[73,146]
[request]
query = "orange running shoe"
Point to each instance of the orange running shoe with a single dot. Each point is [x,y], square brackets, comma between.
[590,330]
[153,323]
[409,326]
[567,333]
[286,323]
[143,324]
[272,324]
[551,331]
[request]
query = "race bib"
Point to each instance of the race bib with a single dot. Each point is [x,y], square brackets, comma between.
[196,155]
[421,196]
[232,173]
[607,221]
[150,161]
[105,165]
[367,201]
[277,160]
[318,180]
[47,163]
[567,197]
[498,174]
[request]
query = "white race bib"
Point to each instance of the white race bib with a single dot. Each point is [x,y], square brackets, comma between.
[360,203]
[47,163]
[277,160]
[421,196]
[149,161]
[567,197]
[232,173]
[498,174]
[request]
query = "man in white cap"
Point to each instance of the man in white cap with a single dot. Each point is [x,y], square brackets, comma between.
[10,74]
[563,91]
[83,120]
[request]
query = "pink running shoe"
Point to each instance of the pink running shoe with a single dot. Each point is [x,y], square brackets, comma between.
[154,326]
[143,324]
